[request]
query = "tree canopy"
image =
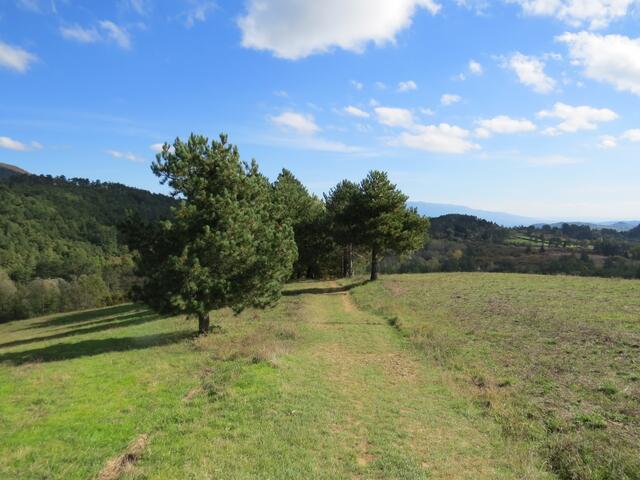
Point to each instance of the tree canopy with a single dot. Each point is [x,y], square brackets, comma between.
[385,223]
[227,244]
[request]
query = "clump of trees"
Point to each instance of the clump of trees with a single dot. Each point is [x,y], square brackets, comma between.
[43,296]
[227,237]
[234,238]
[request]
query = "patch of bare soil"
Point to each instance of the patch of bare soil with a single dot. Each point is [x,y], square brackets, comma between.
[195,391]
[116,467]
[347,303]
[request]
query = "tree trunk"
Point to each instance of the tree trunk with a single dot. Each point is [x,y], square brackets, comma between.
[350,261]
[204,324]
[374,263]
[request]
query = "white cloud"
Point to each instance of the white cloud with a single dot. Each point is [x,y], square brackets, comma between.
[302,124]
[530,72]
[576,118]
[357,85]
[608,141]
[594,13]
[449,99]
[427,111]
[407,86]
[611,141]
[80,34]
[116,33]
[356,112]
[632,135]
[394,117]
[126,156]
[11,144]
[381,85]
[296,29]
[613,59]
[15,58]
[443,138]
[475,68]
[503,124]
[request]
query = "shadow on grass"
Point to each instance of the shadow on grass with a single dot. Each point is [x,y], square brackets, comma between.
[85,316]
[98,326]
[321,291]
[89,348]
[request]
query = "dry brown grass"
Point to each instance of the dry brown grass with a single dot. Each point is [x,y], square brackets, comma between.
[125,462]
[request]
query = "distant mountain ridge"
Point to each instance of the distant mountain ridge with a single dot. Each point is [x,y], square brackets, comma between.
[510,220]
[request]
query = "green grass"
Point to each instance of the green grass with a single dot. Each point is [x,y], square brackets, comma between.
[556,360]
[429,376]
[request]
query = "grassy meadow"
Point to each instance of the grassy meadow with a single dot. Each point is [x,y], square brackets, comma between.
[448,376]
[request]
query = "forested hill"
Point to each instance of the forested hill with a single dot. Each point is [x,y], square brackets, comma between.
[53,227]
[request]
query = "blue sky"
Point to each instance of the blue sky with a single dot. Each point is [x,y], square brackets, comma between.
[526,106]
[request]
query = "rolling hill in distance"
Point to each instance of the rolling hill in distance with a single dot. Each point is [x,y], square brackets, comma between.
[511,220]
[439,209]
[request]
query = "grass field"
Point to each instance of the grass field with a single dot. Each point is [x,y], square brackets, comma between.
[474,376]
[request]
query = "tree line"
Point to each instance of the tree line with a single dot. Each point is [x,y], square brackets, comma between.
[234,238]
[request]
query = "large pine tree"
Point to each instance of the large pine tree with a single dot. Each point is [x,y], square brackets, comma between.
[227,244]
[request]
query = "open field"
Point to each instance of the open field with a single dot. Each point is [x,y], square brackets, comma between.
[428,376]
[555,360]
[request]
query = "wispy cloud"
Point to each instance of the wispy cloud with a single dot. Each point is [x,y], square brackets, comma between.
[298,122]
[198,11]
[449,99]
[582,117]
[356,112]
[9,143]
[80,34]
[105,31]
[15,58]
[407,86]
[126,156]
[530,72]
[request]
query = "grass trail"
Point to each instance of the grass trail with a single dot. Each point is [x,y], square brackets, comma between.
[315,388]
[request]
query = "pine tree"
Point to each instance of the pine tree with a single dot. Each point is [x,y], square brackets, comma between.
[385,223]
[340,204]
[227,244]
[307,216]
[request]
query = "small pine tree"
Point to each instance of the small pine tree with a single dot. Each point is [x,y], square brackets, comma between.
[385,223]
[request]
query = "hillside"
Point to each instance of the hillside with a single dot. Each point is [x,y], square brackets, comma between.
[63,229]
[7,171]
[50,226]
[444,376]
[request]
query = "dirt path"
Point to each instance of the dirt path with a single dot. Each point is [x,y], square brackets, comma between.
[392,412]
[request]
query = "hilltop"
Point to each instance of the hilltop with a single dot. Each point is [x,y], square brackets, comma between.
[7,170]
